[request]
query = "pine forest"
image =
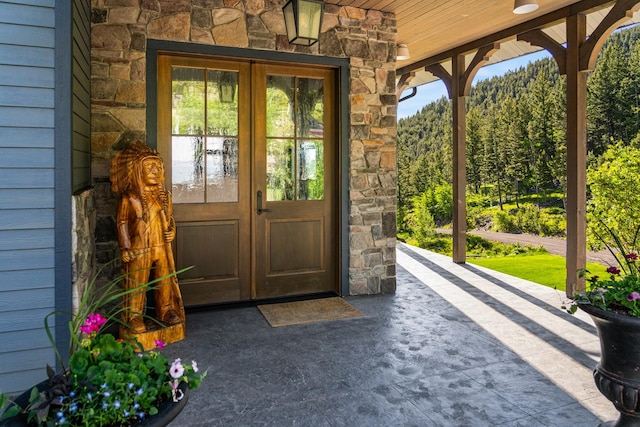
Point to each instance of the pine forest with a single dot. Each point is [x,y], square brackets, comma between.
[516,150]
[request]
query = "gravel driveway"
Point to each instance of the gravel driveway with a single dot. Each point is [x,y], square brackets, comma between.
[553,245]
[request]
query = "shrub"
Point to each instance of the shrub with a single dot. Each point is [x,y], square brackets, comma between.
[420,220]
[504,222]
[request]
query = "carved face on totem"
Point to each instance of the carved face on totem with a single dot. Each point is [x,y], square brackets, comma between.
[152,171]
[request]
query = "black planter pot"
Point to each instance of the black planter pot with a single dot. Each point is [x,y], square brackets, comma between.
[167,411]
[617,375]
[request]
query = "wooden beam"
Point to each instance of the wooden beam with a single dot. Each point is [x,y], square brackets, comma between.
[439,71]
[576,155]
[535,23]
[542,39]
[589,51]
[403,83]
[481,57]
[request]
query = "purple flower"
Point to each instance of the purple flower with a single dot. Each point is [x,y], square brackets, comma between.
[633,296]
[176,393]
[631,256]
[613,270]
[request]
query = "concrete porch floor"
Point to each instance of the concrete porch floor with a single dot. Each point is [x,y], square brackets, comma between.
[457,345]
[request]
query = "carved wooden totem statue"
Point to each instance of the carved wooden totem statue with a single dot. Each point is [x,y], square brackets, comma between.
[146,229]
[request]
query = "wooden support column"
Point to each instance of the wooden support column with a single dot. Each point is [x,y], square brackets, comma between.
[575,61]
[458,111]
[458,85]
[576,155]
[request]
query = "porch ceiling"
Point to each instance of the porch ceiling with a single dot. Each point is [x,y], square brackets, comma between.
[435,29]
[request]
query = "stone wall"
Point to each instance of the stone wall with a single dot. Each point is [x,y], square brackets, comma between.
[119,32]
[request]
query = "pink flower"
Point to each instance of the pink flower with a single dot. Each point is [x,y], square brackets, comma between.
[613,270]
[92,323]
[176,370]
[159,344]
[633,296]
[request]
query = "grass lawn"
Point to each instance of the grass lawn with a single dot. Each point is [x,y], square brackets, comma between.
[548,270]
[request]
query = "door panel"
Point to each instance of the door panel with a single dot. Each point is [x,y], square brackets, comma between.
[204,139]
[293,165]
[249,153]
[302,254]
[191,237]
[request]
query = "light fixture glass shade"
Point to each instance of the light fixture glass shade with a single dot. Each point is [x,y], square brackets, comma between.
[227,83]
[303,19]
[524,6]
[403,52]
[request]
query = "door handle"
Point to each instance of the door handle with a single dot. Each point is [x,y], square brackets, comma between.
[260,210]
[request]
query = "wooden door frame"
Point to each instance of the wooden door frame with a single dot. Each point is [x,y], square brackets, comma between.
[342,74]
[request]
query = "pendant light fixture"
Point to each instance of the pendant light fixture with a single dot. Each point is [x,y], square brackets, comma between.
[303,19]
[524,6]
[402,52]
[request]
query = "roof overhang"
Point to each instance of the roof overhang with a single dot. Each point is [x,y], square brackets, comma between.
[437,30]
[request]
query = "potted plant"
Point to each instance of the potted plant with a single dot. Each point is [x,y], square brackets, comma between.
[108,381]
[613,302]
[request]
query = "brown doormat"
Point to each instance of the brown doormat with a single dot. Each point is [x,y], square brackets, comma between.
[299,312]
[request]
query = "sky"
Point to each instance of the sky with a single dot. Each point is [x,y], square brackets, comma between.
[433,91]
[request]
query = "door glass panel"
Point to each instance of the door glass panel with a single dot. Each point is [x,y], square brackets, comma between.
[310,170]
[295,168]
[222,102]
[280,106]
[309,108]
[187,101]
[204,165]
[222,169]
[187,169]
[280,178]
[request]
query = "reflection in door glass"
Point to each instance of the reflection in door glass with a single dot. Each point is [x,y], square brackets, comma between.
[295,168]
[310,171]
[222,102]
[309,106]
[280,106]
[187,169]
[187,99]
[222,169]
[204,166]
[280,177]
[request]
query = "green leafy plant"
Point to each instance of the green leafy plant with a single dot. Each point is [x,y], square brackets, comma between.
[108,381]
[620,291]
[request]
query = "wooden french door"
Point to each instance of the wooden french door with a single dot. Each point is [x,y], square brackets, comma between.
[250,157]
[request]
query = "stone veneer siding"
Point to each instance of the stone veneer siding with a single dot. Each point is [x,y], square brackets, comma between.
[83,225]
[119,32]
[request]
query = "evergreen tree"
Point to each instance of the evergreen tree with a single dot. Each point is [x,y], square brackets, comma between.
[493,168]
[610,100]
[475,150]
[516,127]
[542,131]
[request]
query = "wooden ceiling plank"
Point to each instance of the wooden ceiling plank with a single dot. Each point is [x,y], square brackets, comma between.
[537,22]
[412,9]
[382,5]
